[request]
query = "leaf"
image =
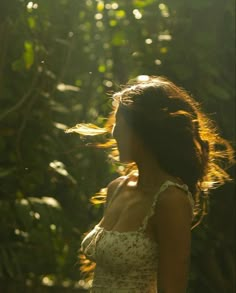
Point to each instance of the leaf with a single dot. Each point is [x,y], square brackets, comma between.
[118,39]
[6,172]
[142,3]
[40,211]
[6,262]
[59,167]
[58,107]
[15,261]
[113,22]
[120,14]
[67,87]
[51,201]
[163,50]
[60,126]
[31,22]
[62,42]
[18,65]
[87,129]
[102,68]
[100,6]
[23,211]
[28,55]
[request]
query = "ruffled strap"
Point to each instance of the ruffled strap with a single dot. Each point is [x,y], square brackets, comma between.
[163,187]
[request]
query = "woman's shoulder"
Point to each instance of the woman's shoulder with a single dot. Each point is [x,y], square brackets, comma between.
[174,204]
[112,188]
[113,185]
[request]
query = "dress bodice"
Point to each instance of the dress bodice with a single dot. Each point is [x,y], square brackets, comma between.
[126,262]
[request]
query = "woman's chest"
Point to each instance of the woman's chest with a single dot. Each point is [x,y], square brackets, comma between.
[126,213]
[125,251]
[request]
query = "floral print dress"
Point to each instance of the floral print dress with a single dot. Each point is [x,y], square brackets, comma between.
[126,262]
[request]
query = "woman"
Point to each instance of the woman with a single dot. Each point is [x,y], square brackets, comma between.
[142,244]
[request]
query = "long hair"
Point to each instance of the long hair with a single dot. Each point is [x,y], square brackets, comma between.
[181,137]
[183,140]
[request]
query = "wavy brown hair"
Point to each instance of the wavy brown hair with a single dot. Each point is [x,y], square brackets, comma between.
[183,140]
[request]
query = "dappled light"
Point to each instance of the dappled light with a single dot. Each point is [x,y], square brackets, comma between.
[164,10]
[143,78]
[31,5]
[67,87]
[137,14]
[59,168]
[60,64]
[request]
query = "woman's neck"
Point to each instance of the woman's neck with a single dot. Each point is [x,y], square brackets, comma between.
[151,176]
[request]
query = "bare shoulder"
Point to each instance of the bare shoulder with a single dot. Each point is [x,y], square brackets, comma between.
[174,197]
[112,186]
[174,209]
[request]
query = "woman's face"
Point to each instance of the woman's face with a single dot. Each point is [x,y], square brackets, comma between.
[125,138]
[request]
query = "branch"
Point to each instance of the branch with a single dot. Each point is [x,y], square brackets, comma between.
[22,100]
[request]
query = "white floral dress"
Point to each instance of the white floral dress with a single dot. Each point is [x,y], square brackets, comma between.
[126,262]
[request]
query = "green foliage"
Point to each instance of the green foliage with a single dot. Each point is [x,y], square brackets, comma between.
[58,59]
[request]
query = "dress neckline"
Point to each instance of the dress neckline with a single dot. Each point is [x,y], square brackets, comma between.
[134,232]
[117,232]
[150,212]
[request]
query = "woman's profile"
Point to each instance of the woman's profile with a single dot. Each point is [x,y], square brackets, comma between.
[143,241]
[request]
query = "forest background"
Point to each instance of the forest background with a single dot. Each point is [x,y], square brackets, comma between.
[60,60]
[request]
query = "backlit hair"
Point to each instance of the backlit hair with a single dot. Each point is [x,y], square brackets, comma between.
[171,124]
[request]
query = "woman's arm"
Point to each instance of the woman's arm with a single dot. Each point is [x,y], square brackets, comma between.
[173,231]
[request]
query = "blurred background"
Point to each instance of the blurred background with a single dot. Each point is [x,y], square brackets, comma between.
[60,60]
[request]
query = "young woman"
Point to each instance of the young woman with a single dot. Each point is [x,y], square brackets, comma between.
[142,244]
